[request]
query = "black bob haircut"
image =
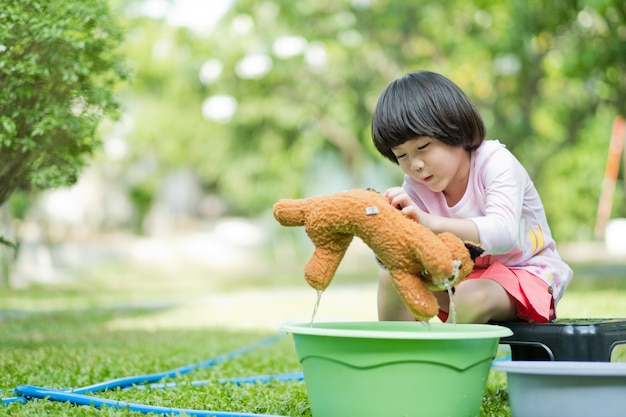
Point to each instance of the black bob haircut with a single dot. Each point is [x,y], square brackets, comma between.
[425,103]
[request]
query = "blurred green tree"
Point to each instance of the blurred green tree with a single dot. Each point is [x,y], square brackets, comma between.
[60,62]
[257,103]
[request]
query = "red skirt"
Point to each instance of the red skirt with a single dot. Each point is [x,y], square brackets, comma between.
[532,295]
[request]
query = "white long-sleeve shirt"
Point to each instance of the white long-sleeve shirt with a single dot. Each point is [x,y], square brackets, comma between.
[502,201]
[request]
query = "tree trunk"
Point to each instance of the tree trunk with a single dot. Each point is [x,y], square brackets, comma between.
[8,254]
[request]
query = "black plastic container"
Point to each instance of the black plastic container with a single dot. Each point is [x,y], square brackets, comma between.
[589,340]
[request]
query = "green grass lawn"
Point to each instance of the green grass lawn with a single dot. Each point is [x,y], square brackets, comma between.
[63,336]
[75,349]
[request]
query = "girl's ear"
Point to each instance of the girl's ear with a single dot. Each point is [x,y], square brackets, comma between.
[474,249]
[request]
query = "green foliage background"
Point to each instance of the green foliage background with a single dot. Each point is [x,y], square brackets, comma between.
[59,65]
[548,78]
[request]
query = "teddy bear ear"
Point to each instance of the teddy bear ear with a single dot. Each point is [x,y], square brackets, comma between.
[474,250]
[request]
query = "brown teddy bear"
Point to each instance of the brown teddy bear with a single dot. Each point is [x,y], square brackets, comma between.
[419,261]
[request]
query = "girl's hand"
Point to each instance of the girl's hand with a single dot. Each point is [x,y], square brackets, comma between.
[398,197]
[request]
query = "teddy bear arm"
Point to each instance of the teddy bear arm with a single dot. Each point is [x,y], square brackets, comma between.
[419,300]
[436,260]
[430,252]
[465,252]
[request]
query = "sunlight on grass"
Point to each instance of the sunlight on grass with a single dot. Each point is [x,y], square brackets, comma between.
[258,309]
[609,303]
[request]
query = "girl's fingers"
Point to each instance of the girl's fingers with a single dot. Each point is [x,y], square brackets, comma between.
[397,197]
[411,212]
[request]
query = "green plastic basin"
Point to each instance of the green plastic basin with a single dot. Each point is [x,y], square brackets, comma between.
[387,369]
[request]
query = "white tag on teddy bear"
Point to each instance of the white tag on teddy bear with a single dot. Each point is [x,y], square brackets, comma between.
[371,210]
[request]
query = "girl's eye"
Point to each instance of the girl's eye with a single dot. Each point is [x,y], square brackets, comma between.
[400,156]
[421,148]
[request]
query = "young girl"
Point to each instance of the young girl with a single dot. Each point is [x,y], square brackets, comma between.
[458,182]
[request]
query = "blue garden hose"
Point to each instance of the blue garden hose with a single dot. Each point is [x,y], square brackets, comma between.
[143,379]
[77,397]
[148,378]
[10,400]
[264,379]
[30,391]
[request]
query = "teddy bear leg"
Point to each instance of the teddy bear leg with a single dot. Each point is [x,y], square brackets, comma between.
[321,268]
[418,299]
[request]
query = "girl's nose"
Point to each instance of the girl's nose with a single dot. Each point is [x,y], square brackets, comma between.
[417,164]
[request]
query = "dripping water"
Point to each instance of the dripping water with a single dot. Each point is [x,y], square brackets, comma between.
[317,304]
[451,308]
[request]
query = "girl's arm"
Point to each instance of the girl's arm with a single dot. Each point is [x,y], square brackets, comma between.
[464,229]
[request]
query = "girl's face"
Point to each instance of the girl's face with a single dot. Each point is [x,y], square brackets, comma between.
[440,167]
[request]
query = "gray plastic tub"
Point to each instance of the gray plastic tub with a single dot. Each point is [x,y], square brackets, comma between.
[564,388]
